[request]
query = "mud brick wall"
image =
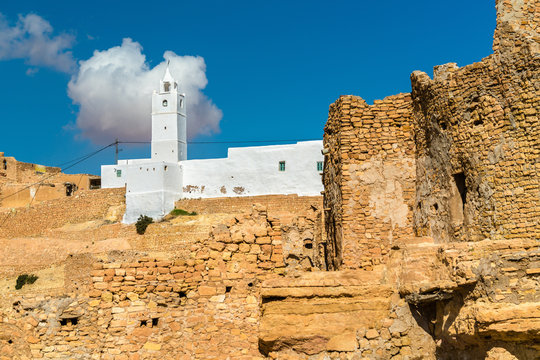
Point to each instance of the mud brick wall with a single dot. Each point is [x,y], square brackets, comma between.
[369,179]
[478,138]
[22,184]
[85,206]
[19,172]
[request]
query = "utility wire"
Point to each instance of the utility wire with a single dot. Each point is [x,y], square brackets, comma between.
[225,142]
[80,159]
[84,157]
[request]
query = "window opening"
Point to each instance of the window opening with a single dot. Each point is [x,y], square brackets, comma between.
[69,321]
[5,164]
[155,322]
[70,188]
[166,86]
[228,289]
[95,184]
[319,166]
[119,173]
[164,103]
[282,166]
[459,179]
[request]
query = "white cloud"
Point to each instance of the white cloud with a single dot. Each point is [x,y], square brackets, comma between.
[31,39]
[113,90]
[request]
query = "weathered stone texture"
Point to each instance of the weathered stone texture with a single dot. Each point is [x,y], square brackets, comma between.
[338,314]
[369,179]
[466,260]
[477,138]
[201,301]
[431,207]
[85,206]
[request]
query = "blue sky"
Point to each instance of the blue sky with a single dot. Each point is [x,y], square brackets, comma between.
[272,67]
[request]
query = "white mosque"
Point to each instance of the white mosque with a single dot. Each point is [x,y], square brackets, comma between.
[154,185]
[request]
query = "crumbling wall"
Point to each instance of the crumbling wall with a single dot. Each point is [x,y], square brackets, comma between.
[85,206]
[477,138]
[24,184]
[369,178]
[201,303]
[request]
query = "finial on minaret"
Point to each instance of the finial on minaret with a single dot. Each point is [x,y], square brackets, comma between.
[168,80]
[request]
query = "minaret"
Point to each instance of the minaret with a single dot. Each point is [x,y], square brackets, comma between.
[168,122]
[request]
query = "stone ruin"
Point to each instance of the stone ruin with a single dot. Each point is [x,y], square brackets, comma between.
[424,246]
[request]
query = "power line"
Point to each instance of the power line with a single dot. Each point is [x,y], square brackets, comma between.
[80,159]
[226,141]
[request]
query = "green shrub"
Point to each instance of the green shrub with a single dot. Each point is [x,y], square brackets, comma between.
[178,212]
[142,223]
[25,279]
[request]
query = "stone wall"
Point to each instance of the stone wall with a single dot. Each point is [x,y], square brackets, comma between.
[369,178]
[431,208]
[85,206]
[201,303]
[274,204]
[477,138]
[466,260]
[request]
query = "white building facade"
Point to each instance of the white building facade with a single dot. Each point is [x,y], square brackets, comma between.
[154,185]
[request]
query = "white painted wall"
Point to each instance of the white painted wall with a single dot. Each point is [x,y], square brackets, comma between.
[109,175]
[152,189]
[153,185]
[109,178]
[252,171]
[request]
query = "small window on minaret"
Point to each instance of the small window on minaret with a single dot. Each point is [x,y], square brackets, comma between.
[282,166]
[167,86]
[164,103]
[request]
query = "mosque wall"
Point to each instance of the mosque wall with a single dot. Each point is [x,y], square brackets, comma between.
[253,171]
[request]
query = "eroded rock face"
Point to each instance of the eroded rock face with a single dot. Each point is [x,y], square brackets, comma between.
[348,312]
[477,132]
[465,256]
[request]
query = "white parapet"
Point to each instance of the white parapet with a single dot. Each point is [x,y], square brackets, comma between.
[260,170]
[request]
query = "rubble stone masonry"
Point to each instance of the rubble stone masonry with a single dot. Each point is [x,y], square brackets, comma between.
[478,138]
[432,220]
[369,179]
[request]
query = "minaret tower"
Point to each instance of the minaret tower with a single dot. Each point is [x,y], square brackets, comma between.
[168,122]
